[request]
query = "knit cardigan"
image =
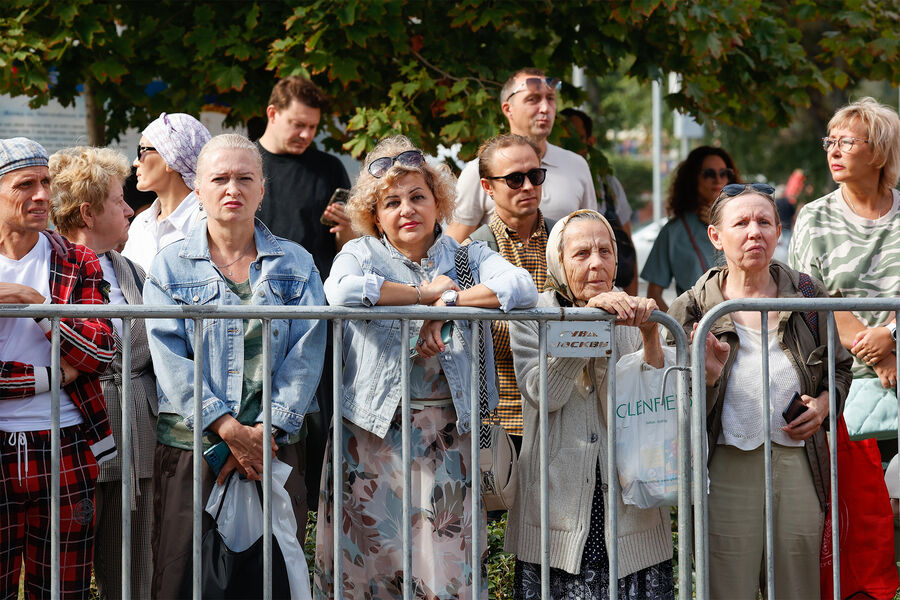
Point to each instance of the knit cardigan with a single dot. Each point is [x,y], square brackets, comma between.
[576,401]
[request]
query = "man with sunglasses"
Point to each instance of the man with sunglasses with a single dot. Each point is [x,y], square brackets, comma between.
[528,101]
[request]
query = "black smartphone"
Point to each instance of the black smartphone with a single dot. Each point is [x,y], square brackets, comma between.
[340,196]
[794,409]
[216,457]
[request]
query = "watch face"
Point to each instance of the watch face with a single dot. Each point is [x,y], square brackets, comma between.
[449,297]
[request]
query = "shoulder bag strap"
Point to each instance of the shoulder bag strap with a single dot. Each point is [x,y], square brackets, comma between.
[694,243]
[464,276]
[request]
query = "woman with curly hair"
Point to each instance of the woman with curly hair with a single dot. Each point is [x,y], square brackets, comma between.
[404,258]
[683,250]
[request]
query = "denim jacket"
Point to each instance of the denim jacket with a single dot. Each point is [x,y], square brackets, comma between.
[282,274]
[372,349]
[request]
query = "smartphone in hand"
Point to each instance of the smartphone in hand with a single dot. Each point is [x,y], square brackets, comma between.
[216,457]
[794,409]
[340,196]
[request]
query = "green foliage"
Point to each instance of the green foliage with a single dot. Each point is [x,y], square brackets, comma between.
[636,176]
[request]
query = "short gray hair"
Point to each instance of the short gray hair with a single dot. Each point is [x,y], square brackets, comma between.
[227,141]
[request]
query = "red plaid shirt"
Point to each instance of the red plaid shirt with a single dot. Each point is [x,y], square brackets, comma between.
[86,344]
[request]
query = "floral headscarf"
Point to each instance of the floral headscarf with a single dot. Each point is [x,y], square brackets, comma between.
[556,272]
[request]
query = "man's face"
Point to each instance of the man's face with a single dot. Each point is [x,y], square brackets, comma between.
[531,112]
[294,127]
[25,200]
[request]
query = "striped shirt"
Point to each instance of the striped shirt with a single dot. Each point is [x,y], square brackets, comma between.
[854,257]
[532,258]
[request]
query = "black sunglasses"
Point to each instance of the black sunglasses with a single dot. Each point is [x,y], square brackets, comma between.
[411,158]
[142,150]
[721,173]
[733,189]
[516,179]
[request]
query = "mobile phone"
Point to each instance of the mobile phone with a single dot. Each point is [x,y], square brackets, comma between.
[216,456]
[446,331]
[794,409]
[340,196]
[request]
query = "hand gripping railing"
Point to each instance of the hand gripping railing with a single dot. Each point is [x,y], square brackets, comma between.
[337,315]
[698,420]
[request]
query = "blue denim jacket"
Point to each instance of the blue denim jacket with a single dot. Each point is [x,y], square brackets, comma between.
[372,349]
[282,274]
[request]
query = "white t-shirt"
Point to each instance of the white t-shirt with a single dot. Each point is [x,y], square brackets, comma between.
[622,208]
[742,412]
[23,340]
[568,187]
[115,292]
[148,235]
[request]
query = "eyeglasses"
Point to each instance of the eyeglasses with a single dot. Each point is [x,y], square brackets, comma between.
[734,189]
[720,174]
[516,179]
[142,150]
[411,158]
[536,84]
[844,143]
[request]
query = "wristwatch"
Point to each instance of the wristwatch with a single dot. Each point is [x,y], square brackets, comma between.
[450,297]
[892,327]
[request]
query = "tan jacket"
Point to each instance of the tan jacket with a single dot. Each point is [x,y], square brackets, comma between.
[576,402]
[810,359]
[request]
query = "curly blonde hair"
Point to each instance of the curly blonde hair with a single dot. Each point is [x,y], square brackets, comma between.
[883,130]
[82,174]
[368,190]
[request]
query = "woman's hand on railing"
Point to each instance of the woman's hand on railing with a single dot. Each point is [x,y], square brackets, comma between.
[810,420]
[246,445]
[872,345]
[716,356]
[430,342]
[431,291]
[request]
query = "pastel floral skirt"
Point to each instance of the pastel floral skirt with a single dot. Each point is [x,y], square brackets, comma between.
[372,515]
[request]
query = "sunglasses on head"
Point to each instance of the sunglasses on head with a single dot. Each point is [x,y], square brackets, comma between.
[516,179]
[536,84]
[721,173]
[411,158]
[142,150]
[733,189]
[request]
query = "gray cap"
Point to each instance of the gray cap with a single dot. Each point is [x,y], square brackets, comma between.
[18,153]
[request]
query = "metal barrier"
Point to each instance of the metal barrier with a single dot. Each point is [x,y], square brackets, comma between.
[698,421]
[337,315]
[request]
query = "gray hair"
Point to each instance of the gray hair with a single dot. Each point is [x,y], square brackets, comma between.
[227,141]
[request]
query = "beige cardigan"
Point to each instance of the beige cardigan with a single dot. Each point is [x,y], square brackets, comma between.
[577,412]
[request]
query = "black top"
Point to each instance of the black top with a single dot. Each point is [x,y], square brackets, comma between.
[298,187]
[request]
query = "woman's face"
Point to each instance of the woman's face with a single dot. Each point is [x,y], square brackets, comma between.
[747,232]
[708,188]
[854,165]
[150,168]
[110,227]
[407,214]
[230,186]
[588,258]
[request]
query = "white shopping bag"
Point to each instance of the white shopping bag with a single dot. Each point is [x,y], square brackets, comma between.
[241,523]
[646,432]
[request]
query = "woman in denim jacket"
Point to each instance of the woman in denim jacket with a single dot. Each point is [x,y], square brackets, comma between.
[404,259]
[228,259]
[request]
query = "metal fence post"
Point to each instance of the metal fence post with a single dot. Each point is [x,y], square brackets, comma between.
[125,457]
[612,518]
[767,433]
[544,432]
[267,457]
[198,455]
[337,445]
[832,421]
[406,454]
[474,442]
[55,452]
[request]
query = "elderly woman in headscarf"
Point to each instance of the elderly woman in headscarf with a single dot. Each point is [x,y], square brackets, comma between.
[581,260]
[166,164]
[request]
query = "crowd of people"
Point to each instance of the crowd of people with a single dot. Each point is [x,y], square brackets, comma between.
[237,222]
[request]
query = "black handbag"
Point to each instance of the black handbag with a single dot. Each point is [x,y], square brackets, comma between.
[229,575]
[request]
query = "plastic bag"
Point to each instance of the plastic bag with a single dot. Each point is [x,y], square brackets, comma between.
[241,523]
[646,432]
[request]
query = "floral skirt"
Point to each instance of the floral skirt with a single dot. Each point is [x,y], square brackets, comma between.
[371,522]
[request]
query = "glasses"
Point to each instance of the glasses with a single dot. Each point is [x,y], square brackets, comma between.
[844,143]
[516,179]
[142,150]
[733,189]
[411,158]
[536,84]
[720,174]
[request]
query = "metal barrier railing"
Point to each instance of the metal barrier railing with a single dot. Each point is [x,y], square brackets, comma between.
[337,315]
[698,421]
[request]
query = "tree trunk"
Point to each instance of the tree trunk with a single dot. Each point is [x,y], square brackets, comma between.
[93,116]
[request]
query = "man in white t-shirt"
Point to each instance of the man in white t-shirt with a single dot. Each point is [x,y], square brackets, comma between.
[38,267]
[528,101]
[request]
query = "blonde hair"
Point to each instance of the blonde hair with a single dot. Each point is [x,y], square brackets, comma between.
[82,174]
[368,190]
[227,141]
[883,130]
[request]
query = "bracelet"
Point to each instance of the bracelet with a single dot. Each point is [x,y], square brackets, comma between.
[418,292]
[62,383]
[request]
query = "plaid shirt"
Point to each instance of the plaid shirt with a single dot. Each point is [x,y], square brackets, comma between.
[532,258]
[87,344]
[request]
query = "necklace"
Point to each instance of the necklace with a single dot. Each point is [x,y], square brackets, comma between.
[226,267]
[853,206]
